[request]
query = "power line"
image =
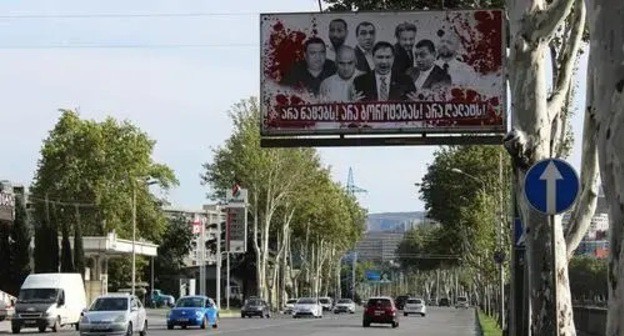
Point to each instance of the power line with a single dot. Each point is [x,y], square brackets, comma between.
[118,15]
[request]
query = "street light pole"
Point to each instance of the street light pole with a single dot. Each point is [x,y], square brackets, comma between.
[133,237]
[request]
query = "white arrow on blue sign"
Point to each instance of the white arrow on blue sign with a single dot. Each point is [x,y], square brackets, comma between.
[551,186]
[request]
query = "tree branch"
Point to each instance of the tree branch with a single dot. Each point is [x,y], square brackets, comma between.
[586,204]
[562,85]
[548,21]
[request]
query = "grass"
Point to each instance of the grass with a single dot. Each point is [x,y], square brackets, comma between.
[489,325]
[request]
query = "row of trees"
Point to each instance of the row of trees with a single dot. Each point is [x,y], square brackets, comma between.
[301,222]
[15,249]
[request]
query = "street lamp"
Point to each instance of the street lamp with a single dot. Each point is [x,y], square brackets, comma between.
[498,256]
[134,206]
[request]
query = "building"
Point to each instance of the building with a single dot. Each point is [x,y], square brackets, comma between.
[378,246]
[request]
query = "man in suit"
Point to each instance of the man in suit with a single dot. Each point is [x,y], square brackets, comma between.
[381,84]
[309,73]
[425,74]
[405,34]
[365,34]
[337,36]
[450,61]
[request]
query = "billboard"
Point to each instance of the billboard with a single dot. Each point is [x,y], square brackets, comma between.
[382,73]
[236,229]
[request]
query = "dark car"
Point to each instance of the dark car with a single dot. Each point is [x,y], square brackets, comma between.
[444,302]
[400,301]
[255,307]
[380,310]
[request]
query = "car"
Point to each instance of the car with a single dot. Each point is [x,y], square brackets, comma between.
[114,314]
[400,301]
[344,306]
[307,306]
[255,307]
[380,310]
[326,303]
[193,311]
[290,304]
[415,306]
[158,299]
[444,302]
[462,302]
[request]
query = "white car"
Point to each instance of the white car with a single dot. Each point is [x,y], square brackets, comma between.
[326,302]
[462,302]
[415,306]
[344,306]
[307,306]
[114,314]
[290,304]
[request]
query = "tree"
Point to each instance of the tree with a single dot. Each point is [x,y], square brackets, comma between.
[96,166]
[174,247]
[67,260]
[588,278]
[605,105]
[20,249]
[79,257]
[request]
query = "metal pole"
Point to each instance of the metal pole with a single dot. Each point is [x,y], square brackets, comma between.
[501,267]
[551,222]
[227,294]
[218,281]
[133,237]
[152,280]
[202,257]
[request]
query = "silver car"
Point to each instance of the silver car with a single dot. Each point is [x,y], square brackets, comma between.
[114,314]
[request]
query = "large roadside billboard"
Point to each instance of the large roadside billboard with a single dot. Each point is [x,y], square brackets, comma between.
[382,73]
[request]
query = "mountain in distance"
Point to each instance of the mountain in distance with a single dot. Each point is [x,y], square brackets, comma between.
[394,221]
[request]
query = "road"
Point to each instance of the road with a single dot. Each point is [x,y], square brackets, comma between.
[438,322]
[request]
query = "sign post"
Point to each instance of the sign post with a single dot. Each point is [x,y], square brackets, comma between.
[236,229]
[551,187]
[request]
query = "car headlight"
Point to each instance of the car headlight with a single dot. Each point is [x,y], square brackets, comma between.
[84,319]
[120,318]
[198,314]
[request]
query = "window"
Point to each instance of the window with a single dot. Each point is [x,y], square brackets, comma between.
[109,304]
[385,303]
[414,301]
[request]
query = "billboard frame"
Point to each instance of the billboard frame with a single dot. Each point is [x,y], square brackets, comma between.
[452,135]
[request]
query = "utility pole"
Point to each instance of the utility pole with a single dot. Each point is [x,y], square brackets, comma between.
[202,257]
[133,237]
[218,255]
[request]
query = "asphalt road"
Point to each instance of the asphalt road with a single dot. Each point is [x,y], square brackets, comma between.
[438,322]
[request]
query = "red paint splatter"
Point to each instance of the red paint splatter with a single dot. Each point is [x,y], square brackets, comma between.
[483,41]
[284,51]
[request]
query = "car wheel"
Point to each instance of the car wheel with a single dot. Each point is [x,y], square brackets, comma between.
[77,325]
[15,329]
[129,331]
[215,325]
[365,324]
[423,314]
[242,315]
[169,327]
[57,325]
[395,324]
[203,324]
[144,331]
[405,314]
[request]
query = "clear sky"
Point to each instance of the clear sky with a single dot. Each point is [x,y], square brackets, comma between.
[179,95]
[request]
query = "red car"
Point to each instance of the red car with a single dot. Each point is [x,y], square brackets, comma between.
[380,310]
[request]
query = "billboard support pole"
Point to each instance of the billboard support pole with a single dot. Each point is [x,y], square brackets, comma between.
[227,294]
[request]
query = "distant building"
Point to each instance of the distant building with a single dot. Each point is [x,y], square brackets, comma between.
[378,246]
[594,248]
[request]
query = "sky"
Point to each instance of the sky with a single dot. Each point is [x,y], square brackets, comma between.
[176,78]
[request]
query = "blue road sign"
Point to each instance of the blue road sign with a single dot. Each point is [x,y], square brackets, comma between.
[372,275]
[551,186]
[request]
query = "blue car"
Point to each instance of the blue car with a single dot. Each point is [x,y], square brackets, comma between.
[195,311]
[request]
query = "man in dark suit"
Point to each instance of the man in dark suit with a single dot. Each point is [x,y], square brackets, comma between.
[381,84]
[405,34]
[365,34]
[425,74]
[309,73]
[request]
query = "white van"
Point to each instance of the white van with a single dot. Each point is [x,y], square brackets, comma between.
[49,300]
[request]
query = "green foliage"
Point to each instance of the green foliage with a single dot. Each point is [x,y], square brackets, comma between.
[67,261]
[175,245]
[20,248]
[79,257]
[120,272]
[489,326]
[417,247]
[588,277]
[368,5]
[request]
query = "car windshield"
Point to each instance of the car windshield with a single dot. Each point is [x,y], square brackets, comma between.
[292,301]
[344,301]
[254,302]
[109,304]
[190,302]
[324,300]
[461,299]
[414,301]
[43,295]
[379,303]
[306,301]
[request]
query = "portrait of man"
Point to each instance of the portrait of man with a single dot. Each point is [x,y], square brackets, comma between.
[309,73]
[381,84]
[425,74]
[339,87]
[337,36]
[405,34]
[450,61]
[366,35]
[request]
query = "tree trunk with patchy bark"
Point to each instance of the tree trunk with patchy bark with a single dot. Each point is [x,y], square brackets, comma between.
[605,97]
[535,135]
